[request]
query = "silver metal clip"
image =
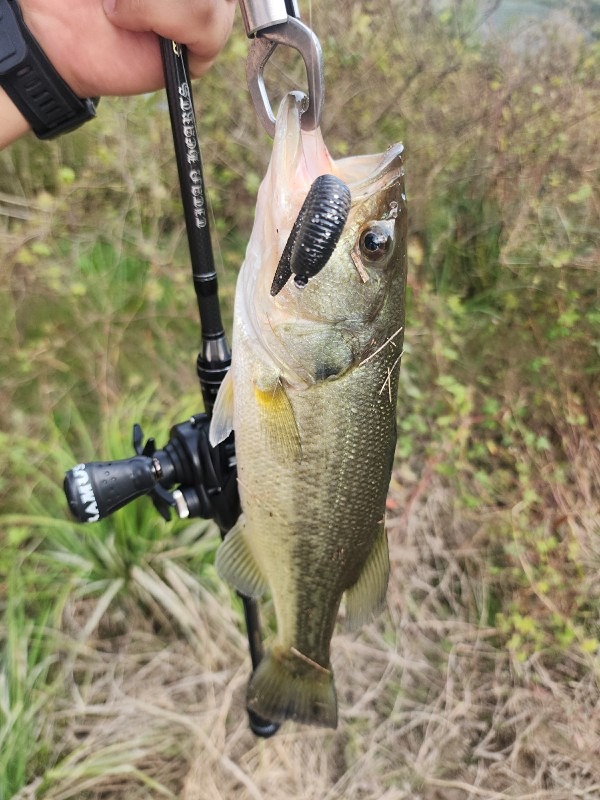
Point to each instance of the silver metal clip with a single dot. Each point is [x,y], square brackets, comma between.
[259,14]
[270,23]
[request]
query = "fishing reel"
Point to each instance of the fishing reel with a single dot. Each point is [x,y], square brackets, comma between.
[206,481]
[204,477]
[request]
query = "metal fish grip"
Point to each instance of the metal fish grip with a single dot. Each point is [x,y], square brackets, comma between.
[271,23]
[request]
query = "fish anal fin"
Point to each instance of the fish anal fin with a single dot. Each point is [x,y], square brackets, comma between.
[221,423]
[237,565]
[278,420]
[289,685]
[366,598]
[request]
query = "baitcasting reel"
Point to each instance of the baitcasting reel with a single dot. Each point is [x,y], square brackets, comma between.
[205,477]
[206,481]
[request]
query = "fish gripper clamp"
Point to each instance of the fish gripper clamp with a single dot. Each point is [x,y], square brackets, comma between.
[270,23]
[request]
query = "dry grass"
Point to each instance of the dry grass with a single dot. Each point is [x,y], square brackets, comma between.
[431,707]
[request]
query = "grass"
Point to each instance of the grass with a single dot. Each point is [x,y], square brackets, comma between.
[123,661]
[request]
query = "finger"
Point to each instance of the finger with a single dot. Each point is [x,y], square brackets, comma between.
[202,25]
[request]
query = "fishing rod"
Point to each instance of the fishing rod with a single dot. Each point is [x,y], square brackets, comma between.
[205,477]
[214,358]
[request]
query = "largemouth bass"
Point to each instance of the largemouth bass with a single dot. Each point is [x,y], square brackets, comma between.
[311,396]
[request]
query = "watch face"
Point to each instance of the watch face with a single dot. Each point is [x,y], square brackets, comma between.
[12,44]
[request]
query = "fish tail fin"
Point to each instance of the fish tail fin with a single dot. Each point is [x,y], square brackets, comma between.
[289,685]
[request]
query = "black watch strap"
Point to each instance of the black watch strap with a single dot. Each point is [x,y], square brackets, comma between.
[46,101]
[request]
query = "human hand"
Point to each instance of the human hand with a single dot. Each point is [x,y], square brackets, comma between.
[110,47]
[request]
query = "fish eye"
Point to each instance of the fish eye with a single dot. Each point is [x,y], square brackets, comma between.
[375,241]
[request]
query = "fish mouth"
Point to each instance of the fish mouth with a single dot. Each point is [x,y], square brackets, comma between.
[369,175]
[298,159]
[302,157]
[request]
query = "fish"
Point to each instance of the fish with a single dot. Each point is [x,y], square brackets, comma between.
[311,398]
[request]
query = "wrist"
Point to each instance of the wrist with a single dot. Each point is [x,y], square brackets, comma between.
[57,37]
[14,125]
[31,81]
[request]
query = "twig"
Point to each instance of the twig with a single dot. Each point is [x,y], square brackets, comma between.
[491,795]
[380,348]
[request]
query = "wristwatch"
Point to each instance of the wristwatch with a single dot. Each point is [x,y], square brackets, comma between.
[46,101]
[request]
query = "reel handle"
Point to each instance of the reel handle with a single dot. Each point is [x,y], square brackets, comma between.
[97,489]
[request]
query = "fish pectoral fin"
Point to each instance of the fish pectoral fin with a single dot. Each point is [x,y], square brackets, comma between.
[237,565]
[278,420]
[366,598]
[288,685]
[221,423]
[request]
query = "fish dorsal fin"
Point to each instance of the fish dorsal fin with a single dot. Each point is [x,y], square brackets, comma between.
[237,565]
[366,598]
[221,423]
[278,420]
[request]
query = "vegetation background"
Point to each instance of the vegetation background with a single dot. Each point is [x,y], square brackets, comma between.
[123,661]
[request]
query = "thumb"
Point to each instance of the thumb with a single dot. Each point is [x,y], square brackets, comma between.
[202,25]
